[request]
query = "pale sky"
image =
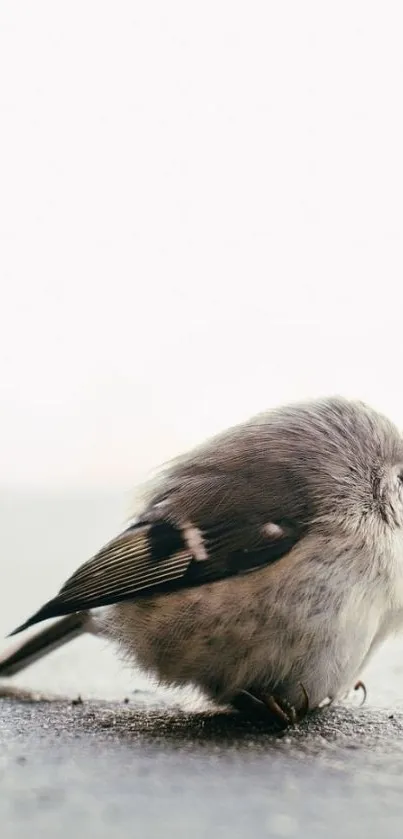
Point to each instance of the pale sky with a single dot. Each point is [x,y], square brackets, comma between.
[201,216]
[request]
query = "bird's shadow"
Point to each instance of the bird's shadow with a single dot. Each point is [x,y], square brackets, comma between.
[225,729]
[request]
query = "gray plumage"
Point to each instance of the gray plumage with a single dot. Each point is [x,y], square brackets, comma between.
[268,559]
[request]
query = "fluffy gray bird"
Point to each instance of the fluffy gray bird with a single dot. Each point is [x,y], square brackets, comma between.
[265,568]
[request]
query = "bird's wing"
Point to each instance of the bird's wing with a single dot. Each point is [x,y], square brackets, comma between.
[151,558]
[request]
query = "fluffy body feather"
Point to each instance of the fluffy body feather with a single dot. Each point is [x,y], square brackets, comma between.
[270,557]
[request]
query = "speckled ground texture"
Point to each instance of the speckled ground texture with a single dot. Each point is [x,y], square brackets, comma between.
[132,759]
[116,771]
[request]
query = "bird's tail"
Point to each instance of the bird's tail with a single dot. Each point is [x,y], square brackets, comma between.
[60,632]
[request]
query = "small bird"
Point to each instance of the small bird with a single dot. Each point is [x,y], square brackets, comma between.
[265,568]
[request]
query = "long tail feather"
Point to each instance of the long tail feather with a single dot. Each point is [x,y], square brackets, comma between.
[42,643]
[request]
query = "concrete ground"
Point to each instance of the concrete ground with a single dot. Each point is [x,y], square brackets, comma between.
[119,769]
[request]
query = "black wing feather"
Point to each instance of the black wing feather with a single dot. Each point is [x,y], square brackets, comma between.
[149,559]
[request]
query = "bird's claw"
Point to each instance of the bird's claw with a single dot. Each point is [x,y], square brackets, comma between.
[284,711]
[278,707]
[360,685]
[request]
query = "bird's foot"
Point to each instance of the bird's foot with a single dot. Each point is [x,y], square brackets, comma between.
[277,706]
[283,711]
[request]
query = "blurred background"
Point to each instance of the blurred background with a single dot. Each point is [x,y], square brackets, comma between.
[201,217]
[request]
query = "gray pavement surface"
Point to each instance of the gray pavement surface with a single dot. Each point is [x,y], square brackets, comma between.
[114,770]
